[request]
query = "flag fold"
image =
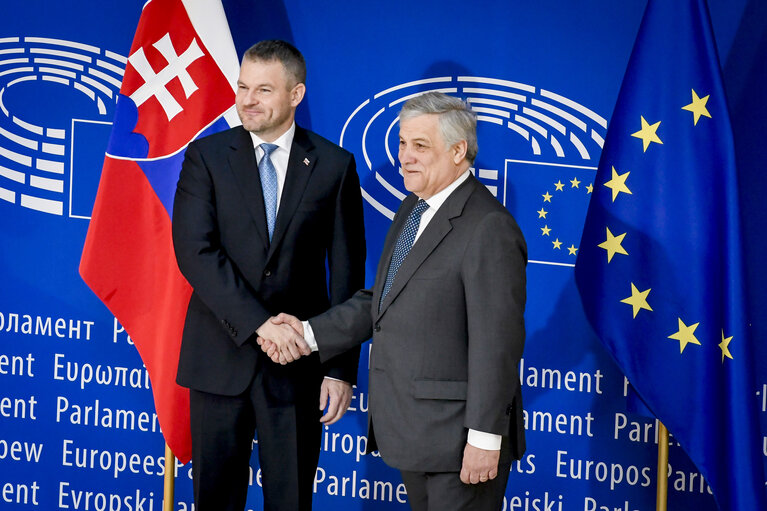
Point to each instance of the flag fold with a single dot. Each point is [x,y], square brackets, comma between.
[178,85]
[660,269]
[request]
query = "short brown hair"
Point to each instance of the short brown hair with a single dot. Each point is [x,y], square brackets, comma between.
[282,51]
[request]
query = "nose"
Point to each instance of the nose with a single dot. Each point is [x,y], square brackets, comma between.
[250,98]
[405,155]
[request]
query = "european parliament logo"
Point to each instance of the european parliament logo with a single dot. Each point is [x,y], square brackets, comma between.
[52,164]
[538,154]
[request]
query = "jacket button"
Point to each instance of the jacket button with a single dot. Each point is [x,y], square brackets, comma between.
[268,273]
[377,328]
[509,409]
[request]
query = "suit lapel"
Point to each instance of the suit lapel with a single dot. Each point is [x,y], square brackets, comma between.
[245,169]
[300,165]
[388,248]
[430,238]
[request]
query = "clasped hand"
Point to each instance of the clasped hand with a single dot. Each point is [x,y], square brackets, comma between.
[281,337]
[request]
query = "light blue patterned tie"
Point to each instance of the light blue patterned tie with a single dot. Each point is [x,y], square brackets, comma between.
[268,175]
[403,246]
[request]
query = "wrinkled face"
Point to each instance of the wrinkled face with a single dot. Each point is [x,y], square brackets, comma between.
[428,166]
[266,102]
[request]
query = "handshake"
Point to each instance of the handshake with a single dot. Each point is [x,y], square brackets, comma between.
[281,337]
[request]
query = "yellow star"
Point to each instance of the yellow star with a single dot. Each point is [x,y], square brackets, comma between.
[638,300]
[559,185]
[613,245]
[542,213]
[697,107]
[648,134]
[557,244]
[547,197]
[545,230]
[618,184]
[590,188]
[572,250]
[685,335]
[725,344]
[574,182]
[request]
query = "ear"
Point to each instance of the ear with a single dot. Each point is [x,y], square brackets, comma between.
[297,94]
[459,151]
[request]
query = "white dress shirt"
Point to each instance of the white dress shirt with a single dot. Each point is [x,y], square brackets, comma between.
[279,156]
[435,202]
[480,439]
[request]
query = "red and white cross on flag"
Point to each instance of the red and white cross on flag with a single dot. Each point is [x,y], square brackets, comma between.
[179,83]
[169,75]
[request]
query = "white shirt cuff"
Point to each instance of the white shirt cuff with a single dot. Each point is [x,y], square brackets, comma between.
[479,439]
[309,336]
[482,440]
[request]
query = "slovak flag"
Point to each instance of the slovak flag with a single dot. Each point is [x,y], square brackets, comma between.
[178,86]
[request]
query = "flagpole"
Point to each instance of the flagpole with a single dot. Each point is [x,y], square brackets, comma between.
[661,497]
[170,480]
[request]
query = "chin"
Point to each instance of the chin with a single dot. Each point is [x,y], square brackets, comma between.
[257,128]
[411,185]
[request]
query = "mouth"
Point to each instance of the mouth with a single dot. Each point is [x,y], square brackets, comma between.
[249,108]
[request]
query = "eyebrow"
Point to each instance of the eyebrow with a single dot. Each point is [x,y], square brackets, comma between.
[256,86]
[418,139]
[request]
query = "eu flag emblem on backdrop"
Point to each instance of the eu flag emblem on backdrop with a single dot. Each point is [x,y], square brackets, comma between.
[660,269]
[178,85]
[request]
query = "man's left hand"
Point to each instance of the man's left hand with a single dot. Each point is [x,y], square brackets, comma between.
[479,465]
[336,396]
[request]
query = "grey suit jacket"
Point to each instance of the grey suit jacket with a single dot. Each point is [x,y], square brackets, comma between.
[448,338]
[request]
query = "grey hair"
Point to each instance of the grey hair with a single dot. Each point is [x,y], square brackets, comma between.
[456,120]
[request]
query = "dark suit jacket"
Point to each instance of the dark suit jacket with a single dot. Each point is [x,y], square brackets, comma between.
[448,338]
[240,279]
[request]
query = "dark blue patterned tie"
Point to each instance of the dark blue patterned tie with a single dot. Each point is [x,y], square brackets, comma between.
[403,246]
[268,175]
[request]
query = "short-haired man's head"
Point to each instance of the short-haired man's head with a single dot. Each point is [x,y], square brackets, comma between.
[283,52]
[456,120]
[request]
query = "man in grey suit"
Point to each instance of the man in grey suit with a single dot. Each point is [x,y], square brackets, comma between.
[446,318]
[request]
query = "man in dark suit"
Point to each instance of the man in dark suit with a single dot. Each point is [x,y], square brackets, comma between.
[446,318]
[260,212]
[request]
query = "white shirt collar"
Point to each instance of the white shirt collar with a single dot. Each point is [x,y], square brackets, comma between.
[436,200]
[284,141]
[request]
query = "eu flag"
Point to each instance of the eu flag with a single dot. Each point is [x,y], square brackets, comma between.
[660,269]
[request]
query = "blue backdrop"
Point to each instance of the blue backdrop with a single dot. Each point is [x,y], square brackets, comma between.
[77,429]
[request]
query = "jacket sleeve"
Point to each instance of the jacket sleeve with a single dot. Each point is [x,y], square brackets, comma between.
[346,262]
[344,327]
[201,257]
[493,273]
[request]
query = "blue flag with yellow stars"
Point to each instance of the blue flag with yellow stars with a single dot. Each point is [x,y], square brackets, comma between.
[659,269]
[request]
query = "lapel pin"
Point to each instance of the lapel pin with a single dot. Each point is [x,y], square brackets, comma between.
[306,161]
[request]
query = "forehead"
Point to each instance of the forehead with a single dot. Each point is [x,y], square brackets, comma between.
[262,71]
[425,126]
